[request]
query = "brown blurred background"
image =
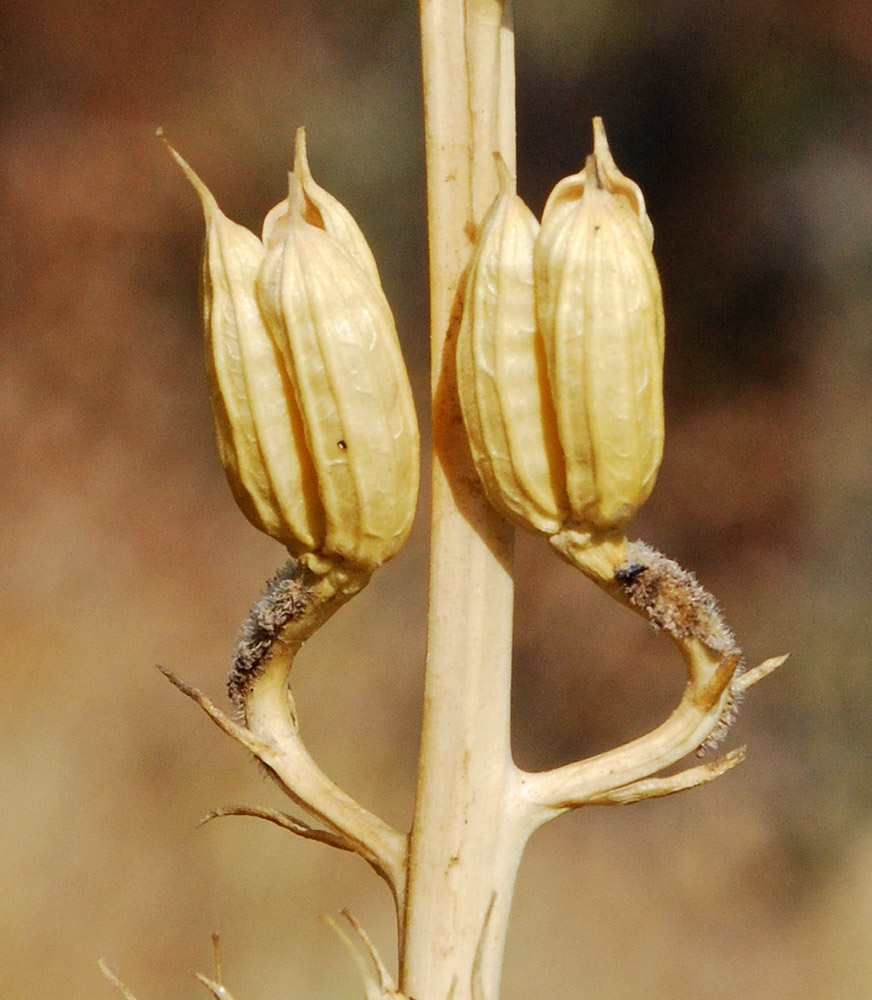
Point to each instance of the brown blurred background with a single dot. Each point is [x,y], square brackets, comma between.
[749,127]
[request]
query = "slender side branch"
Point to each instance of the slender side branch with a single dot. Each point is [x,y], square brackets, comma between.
[297,603]
[671,600]
[689,726]
[283,753]
[286,822]
[656,788]
[221,719]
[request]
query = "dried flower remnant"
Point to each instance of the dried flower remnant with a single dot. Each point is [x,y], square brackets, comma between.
[316,426]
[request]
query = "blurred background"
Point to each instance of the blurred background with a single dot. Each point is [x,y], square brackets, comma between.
[749,127]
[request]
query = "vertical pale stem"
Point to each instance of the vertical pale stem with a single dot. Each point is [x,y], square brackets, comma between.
[463,853]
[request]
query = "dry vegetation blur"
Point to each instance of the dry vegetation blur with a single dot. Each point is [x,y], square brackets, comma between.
[749,127]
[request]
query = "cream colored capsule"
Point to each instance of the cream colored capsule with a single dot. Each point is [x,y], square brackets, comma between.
[501,377]
[336,335]
[599,309]
[316,425]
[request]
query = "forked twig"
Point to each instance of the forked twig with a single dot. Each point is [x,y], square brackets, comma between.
[673,601]
[286,757]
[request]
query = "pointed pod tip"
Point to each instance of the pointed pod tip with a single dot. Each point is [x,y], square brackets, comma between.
[207,199]
[601,148]
[301,155]
[618,183]
[600,142]
[308,205]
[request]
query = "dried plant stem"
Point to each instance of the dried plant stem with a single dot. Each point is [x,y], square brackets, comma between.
[462,850]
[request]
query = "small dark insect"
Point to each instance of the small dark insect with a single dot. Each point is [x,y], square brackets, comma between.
[342,445]
[629,574]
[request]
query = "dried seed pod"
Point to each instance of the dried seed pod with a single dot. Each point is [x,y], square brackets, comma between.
[599,309]
[259,426]
[316,425]
[501,378]
[336,335]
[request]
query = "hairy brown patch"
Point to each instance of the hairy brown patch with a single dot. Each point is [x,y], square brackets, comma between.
[285,600]
[672,598]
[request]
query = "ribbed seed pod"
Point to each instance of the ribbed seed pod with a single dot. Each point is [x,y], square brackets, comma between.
[599,309]
[335,332]
[501,377]
[258,424]
[316,425]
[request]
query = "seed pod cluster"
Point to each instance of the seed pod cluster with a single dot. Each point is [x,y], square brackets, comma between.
[314,414]
[561,350]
